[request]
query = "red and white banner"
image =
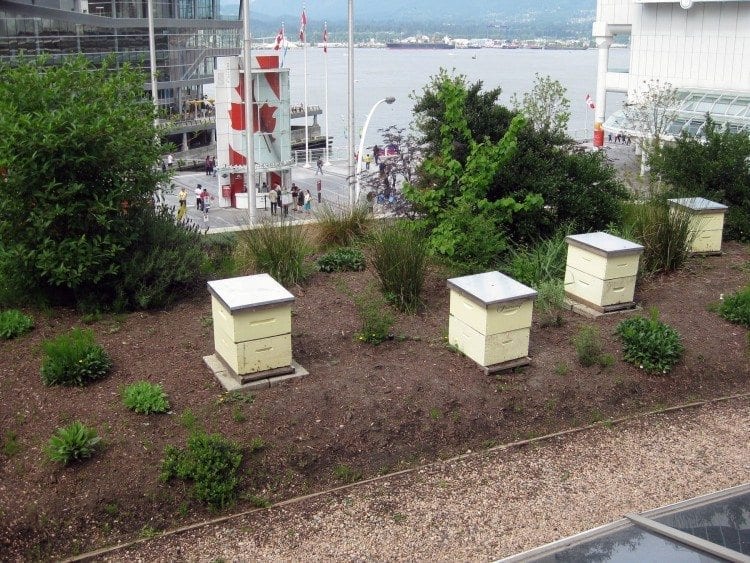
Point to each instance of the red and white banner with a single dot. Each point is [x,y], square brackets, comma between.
[302,25]
[279,40]
[325,37]
[590,101]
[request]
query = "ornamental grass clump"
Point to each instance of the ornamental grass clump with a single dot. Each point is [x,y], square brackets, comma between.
[72,443]
[74,359]
[736,307]
[341,227]
[145,397]
[399,257]
[649,343]
[211,462]
[14,323]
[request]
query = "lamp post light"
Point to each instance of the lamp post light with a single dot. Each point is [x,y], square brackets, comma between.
[388,100]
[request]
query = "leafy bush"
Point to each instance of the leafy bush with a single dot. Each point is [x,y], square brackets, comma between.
[164,264]
[665,234]
[399,257]
[72,443]
[14,323]
[341,227]
[145,397]
[376,317]
[218,261]
[74,359]
[736,307]
[541,262]
[649,343]
[276,248]
[342,260]
[589,347]
[211,462]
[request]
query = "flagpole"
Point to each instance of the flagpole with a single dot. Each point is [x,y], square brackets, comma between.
[303,35]
[248,88]
[325,67]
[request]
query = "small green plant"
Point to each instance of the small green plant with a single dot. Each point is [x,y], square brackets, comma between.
[588,345]
[72,443]
[346,474]
[736,307]
[649,343]
[145,397]
[257,500]
[341,227]
[399,258]
[276,248]
[10,443]
[14,323]
[238,415]
[188,419]
[342,260]
[74,359]
[207,321]
[256,444]
[376,317]
[562,369]
[211,462]
[435,413]
[549,303]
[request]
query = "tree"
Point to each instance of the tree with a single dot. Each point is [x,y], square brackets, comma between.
[651,111]
[546,106]
[715,166]
[80,155]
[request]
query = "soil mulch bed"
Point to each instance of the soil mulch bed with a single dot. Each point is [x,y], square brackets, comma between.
[363,410]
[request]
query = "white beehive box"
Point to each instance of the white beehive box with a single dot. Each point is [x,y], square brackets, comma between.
[490,317]
[601,270]
[706,222]
[252,318]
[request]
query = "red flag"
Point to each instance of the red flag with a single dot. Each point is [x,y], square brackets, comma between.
[325,37]
[590,101]
[302,24]
[279,39]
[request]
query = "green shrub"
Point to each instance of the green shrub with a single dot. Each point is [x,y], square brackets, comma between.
[346,474]
[665,234]
[736,307]
[376,317]
[276,248]
[341,227]
[649,343]
[145,397]
[590,349]
[399,257]
[542,262]
[211,462]
[550,301]
[72,443]
[14,323]
[342,260]
[218,261]
[74,359]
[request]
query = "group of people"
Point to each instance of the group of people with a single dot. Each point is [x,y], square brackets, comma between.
[299,199]
[210,166]
[620,138]
[202,201]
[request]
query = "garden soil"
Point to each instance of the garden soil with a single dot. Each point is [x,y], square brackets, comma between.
[362,411]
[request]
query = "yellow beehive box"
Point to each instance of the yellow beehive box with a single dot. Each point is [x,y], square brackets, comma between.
[490,317]
[488,350]
[252,323]
[601,269]
[706,222]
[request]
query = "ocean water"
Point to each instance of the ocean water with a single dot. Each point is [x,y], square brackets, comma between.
[380,73]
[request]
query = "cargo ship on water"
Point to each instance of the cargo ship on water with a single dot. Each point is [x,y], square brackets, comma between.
[421,42]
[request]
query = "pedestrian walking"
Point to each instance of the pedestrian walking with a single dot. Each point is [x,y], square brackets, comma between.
[307,201]
[213,165]
[368,160]
[208,166]
[273,197]
[295,192]
[319,169]
[376,154]
[182,198]
[170,160]
[199,197]
[300,200]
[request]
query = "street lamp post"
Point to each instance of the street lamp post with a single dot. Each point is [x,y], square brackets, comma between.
[388,100]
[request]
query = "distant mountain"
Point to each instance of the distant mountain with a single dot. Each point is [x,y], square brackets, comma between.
[399,16]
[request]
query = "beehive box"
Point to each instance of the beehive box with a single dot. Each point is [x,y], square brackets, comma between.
[601,270]
[706,222]
[252,319]
[490,317]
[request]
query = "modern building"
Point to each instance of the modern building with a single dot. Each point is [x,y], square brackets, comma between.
[189,35]
[700,47]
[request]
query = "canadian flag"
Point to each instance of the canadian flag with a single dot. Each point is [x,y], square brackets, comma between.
[590,101]
[302,24]
[325,37]
[279,39]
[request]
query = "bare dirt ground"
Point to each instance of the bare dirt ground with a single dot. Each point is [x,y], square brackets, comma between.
[363,410]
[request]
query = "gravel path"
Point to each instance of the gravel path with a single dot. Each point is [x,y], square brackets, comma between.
[493,504]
